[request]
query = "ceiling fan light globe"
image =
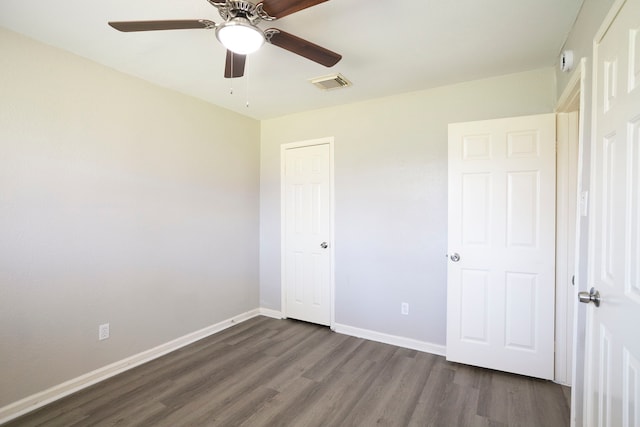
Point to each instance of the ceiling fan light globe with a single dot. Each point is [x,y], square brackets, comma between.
[239,36]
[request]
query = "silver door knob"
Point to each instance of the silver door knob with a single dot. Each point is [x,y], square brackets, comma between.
[591,296]
[455,257]
[324,245]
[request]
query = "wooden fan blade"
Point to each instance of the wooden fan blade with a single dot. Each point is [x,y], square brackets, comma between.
[184,24]
[303,48]
[280,8]
[235,62]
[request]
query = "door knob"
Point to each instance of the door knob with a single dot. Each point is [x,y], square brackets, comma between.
[324,245]
[455,257]
[591,296]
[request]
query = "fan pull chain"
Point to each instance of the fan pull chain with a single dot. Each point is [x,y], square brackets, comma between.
[246,78]
[231,79]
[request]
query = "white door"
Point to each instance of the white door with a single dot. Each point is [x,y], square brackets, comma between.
[307,231]
[501,284]
[613,330]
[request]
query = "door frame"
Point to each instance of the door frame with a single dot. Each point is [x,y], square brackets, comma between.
[566,209]
[574,96]
[569,153]
[329,140]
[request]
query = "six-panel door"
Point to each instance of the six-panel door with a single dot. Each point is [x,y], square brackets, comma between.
[613,339]
[501,292]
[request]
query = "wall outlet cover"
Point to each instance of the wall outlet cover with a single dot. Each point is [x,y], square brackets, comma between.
[103,331]
[404,308]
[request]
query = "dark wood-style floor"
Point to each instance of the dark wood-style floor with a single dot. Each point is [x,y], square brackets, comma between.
[267,372]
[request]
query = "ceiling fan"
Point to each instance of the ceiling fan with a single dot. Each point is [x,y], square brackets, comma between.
[240,34]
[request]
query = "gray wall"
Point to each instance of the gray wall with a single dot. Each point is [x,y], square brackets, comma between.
[120,202]
[391,196]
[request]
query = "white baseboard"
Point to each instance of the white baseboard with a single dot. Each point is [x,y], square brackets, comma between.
[35,401]
[59,391]
[424,346]
[267,312]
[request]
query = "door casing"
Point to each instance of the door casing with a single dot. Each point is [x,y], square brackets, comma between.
[573,99]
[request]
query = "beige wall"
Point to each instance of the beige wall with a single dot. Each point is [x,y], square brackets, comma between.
[120,202]
[391,196]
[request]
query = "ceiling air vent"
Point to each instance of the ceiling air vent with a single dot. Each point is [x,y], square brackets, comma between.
[333,81]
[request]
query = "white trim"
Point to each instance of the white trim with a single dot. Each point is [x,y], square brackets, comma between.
[568,145]
[267,312]
[573,89]
[37,400]
[566,221]
[577,390]
[571,99]
[283,148]
[410,343]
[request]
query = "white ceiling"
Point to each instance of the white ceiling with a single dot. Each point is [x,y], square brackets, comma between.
[388,47]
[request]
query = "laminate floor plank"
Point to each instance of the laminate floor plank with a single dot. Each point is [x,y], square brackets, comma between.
[120,404]
[239,410]
[131,415]
[383,383]
[284,408]
[290,337]
[208,376]
[367,351]
[402,376]
[296,361]
[457,407]
[432,396]
[337,396]
[268,372]
[550,403]
[217,398]
[59,419]
[335,358]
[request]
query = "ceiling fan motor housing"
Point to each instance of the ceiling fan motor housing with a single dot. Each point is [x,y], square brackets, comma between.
[240,8]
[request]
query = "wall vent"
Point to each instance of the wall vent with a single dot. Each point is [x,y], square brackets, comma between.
[333,81]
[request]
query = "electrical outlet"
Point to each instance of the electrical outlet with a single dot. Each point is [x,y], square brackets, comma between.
[404,308]
[103,331]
